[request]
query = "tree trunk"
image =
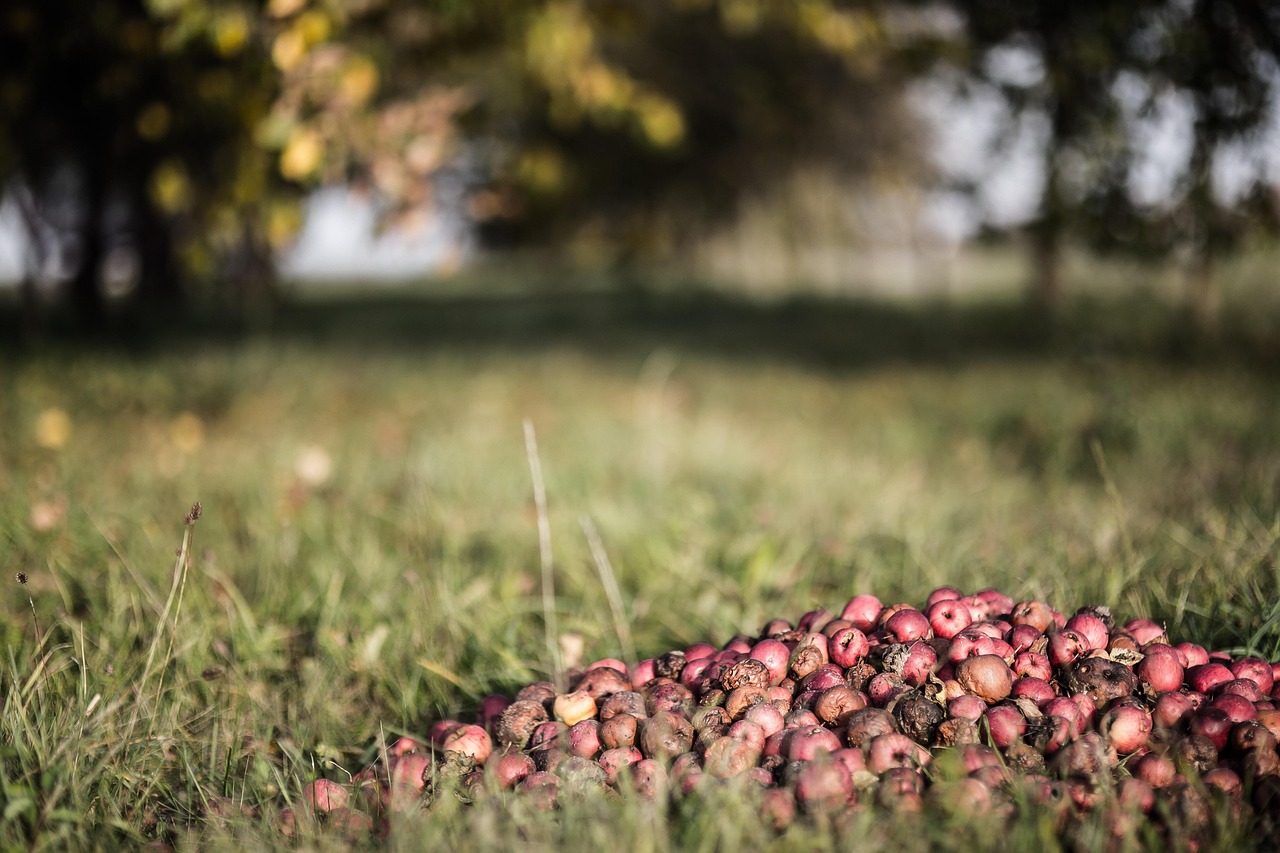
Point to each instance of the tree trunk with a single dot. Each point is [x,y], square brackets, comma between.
[1045,286]
[37,252]
[159,284]
[87,303]
[1204,298]
[1202,287]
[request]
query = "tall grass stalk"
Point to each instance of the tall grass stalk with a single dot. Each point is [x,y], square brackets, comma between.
[549,620]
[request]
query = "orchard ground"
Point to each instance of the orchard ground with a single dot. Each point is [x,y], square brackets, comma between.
[368,556]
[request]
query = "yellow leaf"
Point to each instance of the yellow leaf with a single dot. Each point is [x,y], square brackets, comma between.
[170,187]
[53,428]
[359,81]
[660,121]
[542,170]
[230,33]
[314,26]
[288,49]
[284,8]
[301,157]
[283,222]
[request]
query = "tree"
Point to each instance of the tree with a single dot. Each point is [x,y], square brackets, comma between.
[124,120]
[1222,58]
[632,125]
[1071,56]
[192,128]
[1101,67]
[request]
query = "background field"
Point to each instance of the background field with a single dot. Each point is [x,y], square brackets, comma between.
[367,561]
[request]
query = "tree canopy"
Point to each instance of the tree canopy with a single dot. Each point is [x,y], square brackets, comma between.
[188,131]
[1093,75]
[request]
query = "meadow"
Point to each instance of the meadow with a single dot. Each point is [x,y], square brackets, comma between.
[367,556]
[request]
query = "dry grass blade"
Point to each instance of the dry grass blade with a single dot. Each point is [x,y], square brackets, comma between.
[621,626]
[544,555]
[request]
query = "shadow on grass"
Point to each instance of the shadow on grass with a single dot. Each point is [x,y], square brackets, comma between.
[821,332]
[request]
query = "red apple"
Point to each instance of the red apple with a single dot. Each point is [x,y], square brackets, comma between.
[470,740]
[948,617]
[1195,655]
[943,593]
[966,707]
[1161,671]
[1237,707]
[508,768]
[584,738]
[1256,670]
[1005,724]
[1156,770]
[884,687]
[807,743]
[824,785]
[848,646]
[862,611]
[919,665]
[1128,725]
[1037,690]
[997,603]
[906,626]
[1033,665]
[642,674]
[814,620]
[1021,637]
[1065,646]
[893,750]
[698,651]
[1089,626]
[1213,723]
[823,678]
[775,655]
[1145,631]
[616,761]
[1206,677]
[1034,613]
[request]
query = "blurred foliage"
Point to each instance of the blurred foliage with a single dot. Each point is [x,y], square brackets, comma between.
[612,129]
[203,122]
[1091,78]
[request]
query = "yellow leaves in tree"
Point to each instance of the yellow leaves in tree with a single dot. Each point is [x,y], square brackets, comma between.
[288,49]
[315,27]
[284,8]
[230,33]
[561,48]
[660,121]
[541,171]
[283,222]
[302,156]
[358,82]
[52,428]
[558,40]
[291,45]
[170,187]
[838,30]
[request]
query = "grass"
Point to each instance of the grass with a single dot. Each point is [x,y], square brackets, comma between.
[368,559]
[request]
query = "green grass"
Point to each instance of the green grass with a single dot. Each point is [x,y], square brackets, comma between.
[729,485]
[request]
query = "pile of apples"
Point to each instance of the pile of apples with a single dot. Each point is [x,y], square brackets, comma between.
[973,702]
